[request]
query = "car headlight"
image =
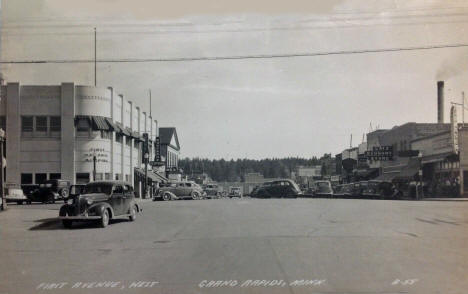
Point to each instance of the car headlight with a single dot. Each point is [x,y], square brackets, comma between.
[89,201]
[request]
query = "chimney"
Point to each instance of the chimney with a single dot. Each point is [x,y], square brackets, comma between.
[440,102]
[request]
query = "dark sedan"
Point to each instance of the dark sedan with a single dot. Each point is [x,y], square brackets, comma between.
[278,189]
[101,201]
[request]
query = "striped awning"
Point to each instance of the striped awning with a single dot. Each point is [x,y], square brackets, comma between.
[99,123]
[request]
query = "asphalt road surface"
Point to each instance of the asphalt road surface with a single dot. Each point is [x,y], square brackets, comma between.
[242,246]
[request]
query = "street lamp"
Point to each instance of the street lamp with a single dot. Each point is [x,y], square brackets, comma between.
[420,174]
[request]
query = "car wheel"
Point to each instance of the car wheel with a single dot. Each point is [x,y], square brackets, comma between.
[67,223]
[133,213]
[104,218]
[64,194]
[166,197]
[19,202]
[195,195]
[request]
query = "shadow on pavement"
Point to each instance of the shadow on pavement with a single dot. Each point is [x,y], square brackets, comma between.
[49,224]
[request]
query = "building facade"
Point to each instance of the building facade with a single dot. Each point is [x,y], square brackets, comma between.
[62,131]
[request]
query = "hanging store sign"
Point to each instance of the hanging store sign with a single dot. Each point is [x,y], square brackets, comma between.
[382,153]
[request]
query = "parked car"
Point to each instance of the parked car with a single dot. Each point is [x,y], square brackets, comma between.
[29,190]
[101,201]
[279,189]
[235,192]
[181,190]
[323,188]
[14,193]
[50,191]
[344,191]
[212,191]
[381,190]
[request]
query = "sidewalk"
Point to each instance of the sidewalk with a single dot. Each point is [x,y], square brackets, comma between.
[444,199]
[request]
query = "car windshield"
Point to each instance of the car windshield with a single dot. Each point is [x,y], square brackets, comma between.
[97,188]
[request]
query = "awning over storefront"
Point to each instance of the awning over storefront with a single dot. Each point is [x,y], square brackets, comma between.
[99,123]
[408,172]
[112,125]
[387,176]
[155,177]
[449,156]
[367,172]
[122,130]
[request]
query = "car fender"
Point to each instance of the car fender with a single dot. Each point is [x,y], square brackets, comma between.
[66,209]
[101,206]
[173,196]
[138,206]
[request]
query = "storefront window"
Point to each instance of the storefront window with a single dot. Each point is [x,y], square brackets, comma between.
[26,179]
[55,124]
[55,176]
[82,178]
[26,124]
[40,178]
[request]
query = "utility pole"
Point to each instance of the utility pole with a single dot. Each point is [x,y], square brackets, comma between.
[145,157]
[150,102]
[2,182]
[94,166]
[95,58]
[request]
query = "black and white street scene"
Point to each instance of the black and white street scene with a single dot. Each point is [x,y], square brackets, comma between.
[228,146]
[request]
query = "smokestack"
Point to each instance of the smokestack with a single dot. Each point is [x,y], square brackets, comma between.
[440,102]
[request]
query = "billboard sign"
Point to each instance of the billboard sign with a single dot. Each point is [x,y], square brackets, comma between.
[380,153]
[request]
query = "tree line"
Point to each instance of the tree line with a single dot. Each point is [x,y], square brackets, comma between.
[221,170]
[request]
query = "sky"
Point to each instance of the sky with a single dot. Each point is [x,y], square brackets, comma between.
[251,107]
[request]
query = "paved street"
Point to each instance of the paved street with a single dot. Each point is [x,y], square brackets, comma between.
[289,246]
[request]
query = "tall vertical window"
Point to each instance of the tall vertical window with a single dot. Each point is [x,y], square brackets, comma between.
[55,124]
[26,124]
[41,124]
[3,122]
[83,125]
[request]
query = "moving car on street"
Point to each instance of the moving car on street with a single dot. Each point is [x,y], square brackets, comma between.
[323,189]
[181,190]
[279,189]
[235,192]
[50,191]
[101,201]
[212,191]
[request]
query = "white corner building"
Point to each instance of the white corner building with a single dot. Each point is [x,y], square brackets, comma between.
[56,131]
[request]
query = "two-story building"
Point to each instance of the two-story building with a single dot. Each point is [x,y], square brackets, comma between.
[78,133]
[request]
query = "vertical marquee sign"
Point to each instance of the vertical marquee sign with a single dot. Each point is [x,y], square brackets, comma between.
[157,144]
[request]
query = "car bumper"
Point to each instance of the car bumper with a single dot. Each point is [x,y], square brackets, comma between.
[80,217]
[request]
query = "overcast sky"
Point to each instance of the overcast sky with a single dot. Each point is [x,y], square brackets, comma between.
[251,108]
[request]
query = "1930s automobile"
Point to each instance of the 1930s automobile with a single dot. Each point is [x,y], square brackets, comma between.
[181,190]
[100,201]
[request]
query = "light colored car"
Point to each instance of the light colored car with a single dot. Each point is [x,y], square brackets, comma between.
[181,190]
[14,193]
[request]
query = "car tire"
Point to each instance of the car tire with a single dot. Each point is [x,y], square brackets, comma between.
[133,213]
[166,197]
[63,193]
[67,223]
[19,202]
[195,195]
[104,222]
